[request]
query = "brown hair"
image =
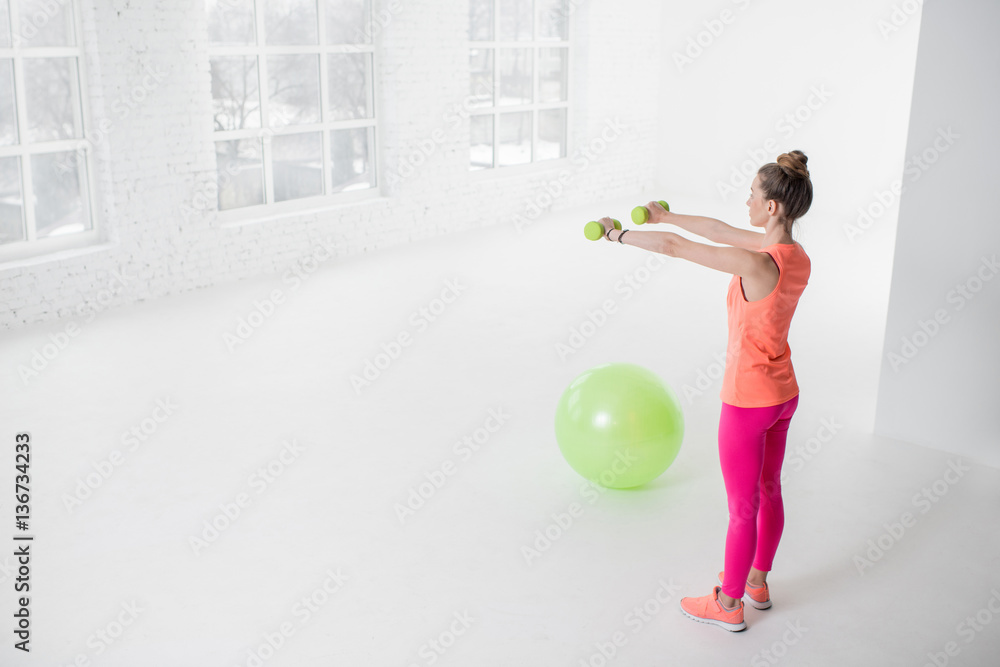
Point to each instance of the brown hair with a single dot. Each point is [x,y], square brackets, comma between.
[787,182]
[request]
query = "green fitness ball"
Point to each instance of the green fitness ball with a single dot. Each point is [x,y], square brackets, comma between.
[619,425]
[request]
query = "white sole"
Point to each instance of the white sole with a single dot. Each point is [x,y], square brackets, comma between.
[731,627]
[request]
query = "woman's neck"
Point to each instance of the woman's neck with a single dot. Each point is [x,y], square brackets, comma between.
[775,233]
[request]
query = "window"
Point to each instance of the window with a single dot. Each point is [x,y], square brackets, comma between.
[519,98]
[45,160]
[293,99]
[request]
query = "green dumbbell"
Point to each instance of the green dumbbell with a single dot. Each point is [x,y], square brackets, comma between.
[640,214]
[594,230]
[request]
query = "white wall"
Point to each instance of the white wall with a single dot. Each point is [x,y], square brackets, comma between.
[155,166]
[941,360]
[831,79]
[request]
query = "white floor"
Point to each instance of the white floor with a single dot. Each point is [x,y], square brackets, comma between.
[450,583]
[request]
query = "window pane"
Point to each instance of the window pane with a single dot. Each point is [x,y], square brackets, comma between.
[515,76]
[515,138]
[298,165]
[347,22]
[481,20]
[4,24]
[515,21]
[8,120]
[46,23]
[52,94]
[551,134]
[290,21]
[241,173]
[230,21]
[552,68]
[351,164]
[235,97]
[350,94]
[11,201]
[552,20]
[294,87]
[60,194]
[481,142]
[481,81]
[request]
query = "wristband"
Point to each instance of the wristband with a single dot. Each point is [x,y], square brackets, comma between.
[621,235]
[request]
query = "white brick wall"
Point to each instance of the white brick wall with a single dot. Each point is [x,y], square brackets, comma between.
[147,71]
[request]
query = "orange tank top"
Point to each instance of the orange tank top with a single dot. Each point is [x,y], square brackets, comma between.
[759,369]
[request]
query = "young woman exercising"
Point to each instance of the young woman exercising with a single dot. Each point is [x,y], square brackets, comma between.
[759,392]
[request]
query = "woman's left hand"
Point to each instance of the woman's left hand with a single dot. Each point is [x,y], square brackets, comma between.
[608,225]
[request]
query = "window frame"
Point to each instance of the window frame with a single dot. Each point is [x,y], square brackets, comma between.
[83,148]
[260,50]
[536,45]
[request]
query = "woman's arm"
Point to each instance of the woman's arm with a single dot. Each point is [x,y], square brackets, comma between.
[712,229]
[751,265]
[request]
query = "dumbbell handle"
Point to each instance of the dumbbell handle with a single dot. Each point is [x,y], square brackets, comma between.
[594,230]
[640,214]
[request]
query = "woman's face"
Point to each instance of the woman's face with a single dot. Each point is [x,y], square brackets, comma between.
[758,207]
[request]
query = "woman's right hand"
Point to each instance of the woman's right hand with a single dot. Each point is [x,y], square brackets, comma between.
[657,213]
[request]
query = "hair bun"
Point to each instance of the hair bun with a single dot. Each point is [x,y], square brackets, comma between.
[794,164]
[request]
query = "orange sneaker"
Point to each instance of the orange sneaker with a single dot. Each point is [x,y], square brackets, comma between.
[760,596]
[708,609]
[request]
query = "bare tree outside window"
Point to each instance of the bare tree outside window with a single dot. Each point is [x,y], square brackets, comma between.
[293,99]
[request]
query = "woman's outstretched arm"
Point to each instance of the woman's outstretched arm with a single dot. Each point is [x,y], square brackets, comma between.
[712,229]
[742,262]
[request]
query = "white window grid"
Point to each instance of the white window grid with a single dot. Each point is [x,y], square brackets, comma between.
[81,147]
[260,50]
[536,45]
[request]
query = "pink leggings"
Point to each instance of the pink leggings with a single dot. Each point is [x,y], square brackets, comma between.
[751,450]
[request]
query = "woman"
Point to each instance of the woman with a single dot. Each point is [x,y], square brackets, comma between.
[759,392]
